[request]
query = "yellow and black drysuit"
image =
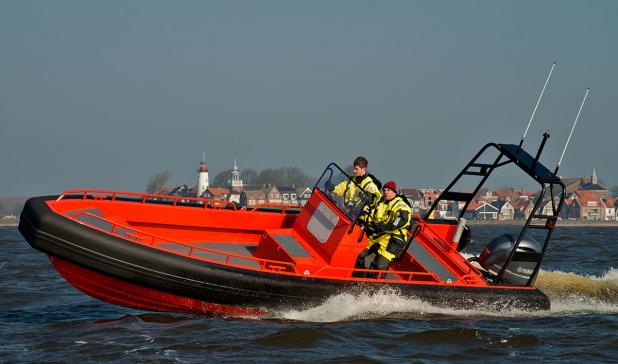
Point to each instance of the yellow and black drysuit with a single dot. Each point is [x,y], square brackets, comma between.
[352,198]
[386,228]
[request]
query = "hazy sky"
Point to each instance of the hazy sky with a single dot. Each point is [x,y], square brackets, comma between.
[105,94]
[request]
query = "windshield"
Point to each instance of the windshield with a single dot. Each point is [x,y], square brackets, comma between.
[343,191]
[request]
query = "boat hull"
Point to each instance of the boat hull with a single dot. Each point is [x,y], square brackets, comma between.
[121,272]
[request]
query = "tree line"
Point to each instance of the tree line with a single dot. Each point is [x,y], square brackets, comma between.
[11,205]
[282,176]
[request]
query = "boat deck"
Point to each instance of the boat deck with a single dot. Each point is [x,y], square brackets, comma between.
[264,241]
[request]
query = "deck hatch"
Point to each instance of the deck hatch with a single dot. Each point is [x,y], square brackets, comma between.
[420,253]
[292,246]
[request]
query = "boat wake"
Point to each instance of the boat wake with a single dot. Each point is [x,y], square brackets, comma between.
[569,293]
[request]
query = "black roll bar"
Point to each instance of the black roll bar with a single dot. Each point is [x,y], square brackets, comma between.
[530,165]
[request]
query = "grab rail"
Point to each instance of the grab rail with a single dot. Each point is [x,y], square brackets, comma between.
[379,274]
[281,206]
[144,198]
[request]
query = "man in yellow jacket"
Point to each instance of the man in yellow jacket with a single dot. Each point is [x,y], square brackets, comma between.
[386,228]
[352,197]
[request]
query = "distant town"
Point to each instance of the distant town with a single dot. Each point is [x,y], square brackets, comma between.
[587,199]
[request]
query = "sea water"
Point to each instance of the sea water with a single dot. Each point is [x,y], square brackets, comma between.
[44,319]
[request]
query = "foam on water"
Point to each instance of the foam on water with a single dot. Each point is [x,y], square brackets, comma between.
[569,293]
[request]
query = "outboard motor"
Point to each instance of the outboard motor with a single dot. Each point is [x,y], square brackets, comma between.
[523,264]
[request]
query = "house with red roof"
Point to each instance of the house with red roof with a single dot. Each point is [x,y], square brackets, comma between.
[429,196]
[509,193]
[591,206]
[523,209]
[527,195]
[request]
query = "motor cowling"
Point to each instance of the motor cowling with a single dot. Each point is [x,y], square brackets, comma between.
[524,262]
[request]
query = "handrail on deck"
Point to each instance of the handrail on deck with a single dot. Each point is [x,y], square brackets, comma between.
[281,206]
[113,195]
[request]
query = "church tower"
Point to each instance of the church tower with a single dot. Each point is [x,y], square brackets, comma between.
[594,176]
[236,181]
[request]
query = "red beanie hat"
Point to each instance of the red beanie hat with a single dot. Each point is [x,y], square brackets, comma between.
[391,185]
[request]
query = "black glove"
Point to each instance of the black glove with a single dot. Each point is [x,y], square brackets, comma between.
[379,228]
[370,230]
[329,186]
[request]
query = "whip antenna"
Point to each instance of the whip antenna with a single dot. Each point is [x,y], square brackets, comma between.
[537,103]
[573,128]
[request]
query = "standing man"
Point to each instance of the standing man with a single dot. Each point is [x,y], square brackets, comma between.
[350,190]
[386,229]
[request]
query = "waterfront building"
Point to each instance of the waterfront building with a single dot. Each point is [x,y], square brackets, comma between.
[481,210]
[302,195]
[506,211]
[217,193]
[591,207]
[288,195]
[415,198]
[256,195]
[610,208]
[523,209]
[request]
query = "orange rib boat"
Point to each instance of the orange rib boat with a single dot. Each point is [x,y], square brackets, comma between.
[179,254]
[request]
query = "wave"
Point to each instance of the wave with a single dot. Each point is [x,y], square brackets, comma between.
[569,293]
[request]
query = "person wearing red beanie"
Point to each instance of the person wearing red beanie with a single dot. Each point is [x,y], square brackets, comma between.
[386,228]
